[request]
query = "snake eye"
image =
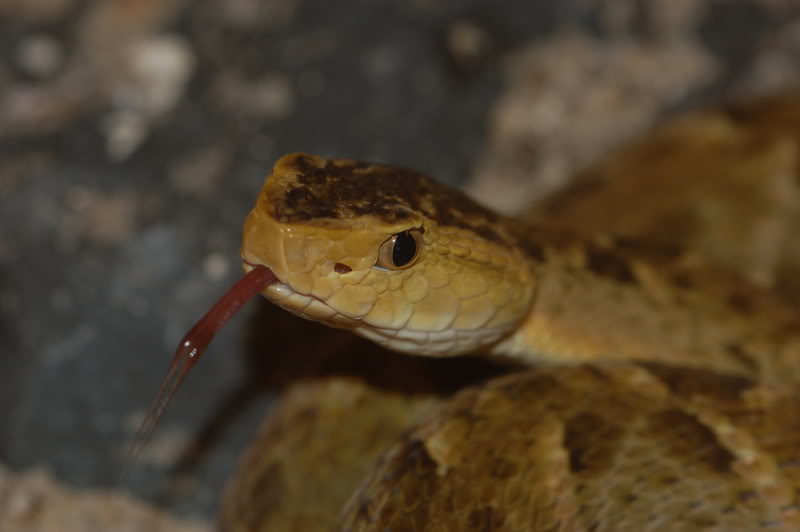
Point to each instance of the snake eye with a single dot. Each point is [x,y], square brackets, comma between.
[400,251]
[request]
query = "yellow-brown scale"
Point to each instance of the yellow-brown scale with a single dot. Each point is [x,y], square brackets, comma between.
[674,404]
[483,283]
[470,285]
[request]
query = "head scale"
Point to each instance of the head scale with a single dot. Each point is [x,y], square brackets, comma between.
[327,228]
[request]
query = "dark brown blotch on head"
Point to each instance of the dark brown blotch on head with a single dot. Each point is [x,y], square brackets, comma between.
[297,200]
[344,189]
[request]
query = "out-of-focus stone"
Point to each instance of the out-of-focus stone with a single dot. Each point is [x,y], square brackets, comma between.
[776,64]
[263,14]
[155,76]
[33,502]
[36,10]
[40,55]
[198,173]
[269,97]
[160,68]
[104,219]
[570,100]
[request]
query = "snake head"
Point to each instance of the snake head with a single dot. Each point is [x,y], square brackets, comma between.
[388,253]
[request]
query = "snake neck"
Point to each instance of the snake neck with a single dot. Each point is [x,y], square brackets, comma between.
[613,302]
[480,283]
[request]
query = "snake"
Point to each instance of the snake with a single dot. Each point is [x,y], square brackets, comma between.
[642,387]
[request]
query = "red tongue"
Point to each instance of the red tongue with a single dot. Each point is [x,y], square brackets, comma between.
[194,344]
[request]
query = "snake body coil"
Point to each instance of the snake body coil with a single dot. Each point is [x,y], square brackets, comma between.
[671,405]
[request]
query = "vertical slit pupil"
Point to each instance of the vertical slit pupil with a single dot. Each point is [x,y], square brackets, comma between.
[405,249]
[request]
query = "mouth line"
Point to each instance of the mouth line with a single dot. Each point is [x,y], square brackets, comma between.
[279,283]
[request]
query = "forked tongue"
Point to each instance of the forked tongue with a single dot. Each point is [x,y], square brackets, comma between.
[193,345]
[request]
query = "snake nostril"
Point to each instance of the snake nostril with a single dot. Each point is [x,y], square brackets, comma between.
[342,268]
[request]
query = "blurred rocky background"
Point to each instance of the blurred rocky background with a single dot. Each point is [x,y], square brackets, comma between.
[135,134]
